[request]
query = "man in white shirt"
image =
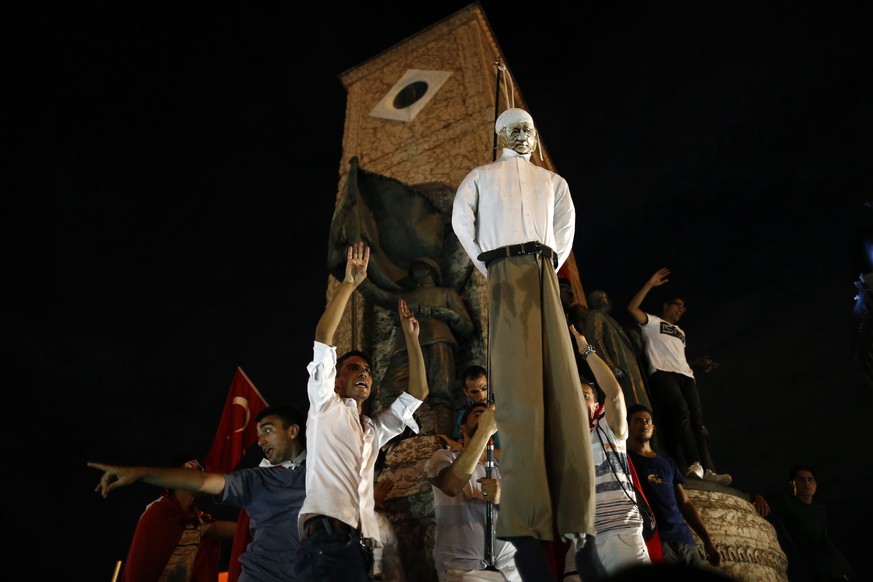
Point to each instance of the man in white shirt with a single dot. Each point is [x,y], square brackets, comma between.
[338,522]
[461,492]
[516,221]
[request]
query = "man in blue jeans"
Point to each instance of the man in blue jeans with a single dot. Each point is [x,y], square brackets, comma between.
[338,521]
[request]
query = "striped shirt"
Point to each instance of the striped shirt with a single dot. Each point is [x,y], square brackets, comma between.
[613,486]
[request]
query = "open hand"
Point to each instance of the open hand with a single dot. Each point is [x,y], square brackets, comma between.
[407,319]
[660,277]
[581,342]
[357,258]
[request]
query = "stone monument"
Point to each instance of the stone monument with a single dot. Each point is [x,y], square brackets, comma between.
[419,116]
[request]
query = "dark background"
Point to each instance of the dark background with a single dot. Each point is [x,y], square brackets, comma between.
[168,222]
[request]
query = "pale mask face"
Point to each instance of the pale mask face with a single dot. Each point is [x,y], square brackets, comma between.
[521,137]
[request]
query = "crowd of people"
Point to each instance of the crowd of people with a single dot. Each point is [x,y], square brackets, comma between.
[501,499]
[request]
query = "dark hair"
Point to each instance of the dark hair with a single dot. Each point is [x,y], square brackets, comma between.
[341,360]
[289,414]
[795,469]
[670,298]
[473,371]
[598,393]
[634,408]
[469,410]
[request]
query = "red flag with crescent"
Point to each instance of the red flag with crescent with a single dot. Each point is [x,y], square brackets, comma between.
[236,431]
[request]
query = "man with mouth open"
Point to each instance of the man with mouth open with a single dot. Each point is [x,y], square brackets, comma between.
[338,521]
[271,494]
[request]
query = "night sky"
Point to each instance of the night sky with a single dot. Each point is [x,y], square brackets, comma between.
[168,222]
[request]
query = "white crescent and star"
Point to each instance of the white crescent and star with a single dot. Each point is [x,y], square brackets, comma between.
[240,401]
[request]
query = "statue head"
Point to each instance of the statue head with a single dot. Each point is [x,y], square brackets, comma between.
[431,264]
[599,300]
[515,130]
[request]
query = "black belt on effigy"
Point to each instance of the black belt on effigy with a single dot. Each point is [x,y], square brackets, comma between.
[528,248]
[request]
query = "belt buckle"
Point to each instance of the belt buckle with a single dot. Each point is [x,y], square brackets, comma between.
[537,247]
[321,524]
[528,248]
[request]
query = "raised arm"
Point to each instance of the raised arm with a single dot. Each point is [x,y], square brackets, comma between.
[356,271]
[452,479]
[115,476]
[417,372]
[614,405]
[633,307]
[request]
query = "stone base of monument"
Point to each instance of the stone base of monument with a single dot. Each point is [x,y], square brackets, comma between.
[747,542]
[749,549]
[409,504]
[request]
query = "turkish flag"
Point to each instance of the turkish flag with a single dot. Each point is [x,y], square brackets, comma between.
[236,433]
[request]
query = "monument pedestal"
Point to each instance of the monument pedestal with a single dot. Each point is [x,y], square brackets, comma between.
[747,542]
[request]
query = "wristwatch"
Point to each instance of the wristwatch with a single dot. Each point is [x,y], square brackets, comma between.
[588,351]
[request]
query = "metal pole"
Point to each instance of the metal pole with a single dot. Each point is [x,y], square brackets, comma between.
[500,68]
[490,533]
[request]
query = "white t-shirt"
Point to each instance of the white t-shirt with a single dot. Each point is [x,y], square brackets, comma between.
[665,346]
[459,540]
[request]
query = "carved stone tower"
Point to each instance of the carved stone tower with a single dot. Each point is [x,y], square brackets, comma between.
[419,117]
